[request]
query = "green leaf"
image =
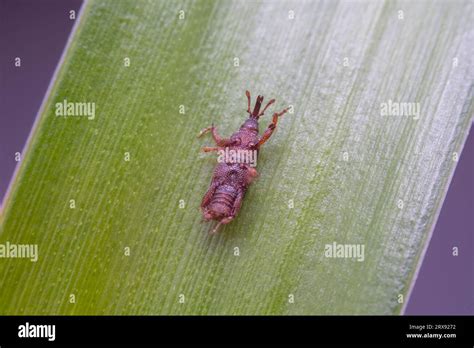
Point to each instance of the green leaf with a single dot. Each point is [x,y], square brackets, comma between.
[354,175]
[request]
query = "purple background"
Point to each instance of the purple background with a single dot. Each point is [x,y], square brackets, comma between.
[37,32]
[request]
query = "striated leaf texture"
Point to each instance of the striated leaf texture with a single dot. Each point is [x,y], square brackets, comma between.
[337,170]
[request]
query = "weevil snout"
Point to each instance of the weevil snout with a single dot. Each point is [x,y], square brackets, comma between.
[258,104]
[256,109]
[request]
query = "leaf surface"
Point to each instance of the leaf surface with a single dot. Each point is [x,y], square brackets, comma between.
[337,170]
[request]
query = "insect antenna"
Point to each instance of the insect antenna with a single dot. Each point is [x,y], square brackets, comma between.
[247,93]
[266,107]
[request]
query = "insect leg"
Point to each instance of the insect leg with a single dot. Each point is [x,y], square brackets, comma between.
[208,196]
[219,141]
[222,222]
[271,127]
[237,205]
[252,174]
[214,230]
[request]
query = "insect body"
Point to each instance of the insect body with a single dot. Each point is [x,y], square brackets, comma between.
[232,177]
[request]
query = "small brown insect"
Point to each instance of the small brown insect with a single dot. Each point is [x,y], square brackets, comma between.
[232,176]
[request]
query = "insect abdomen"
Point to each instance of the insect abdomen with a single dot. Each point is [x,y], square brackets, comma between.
[223,200]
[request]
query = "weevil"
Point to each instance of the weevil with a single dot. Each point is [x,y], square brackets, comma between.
[231,178]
